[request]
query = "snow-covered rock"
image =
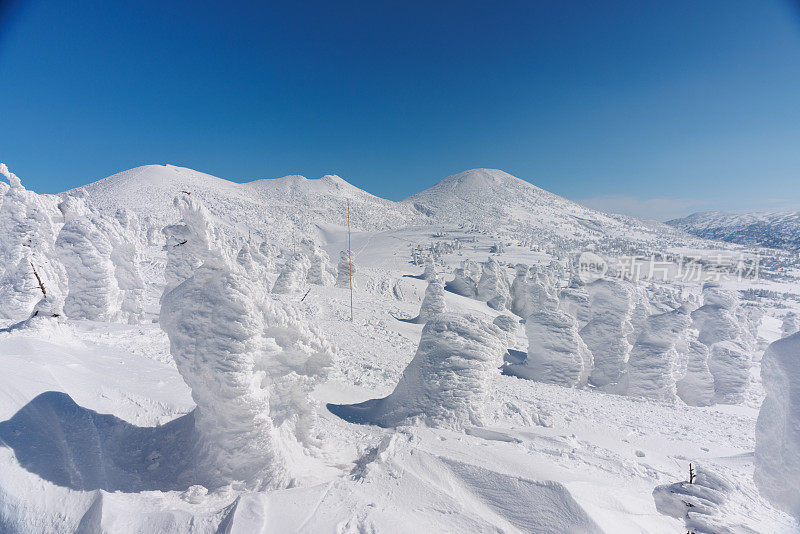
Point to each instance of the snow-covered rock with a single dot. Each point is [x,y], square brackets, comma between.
[777,456]
[556,352]
[251,363]
[447,382]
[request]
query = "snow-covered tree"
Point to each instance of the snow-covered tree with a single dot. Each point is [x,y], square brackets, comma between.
[777,455]
[730,344]
[696,388]
[790,324]
[446,384]
[86,250]
[606,333]
[465,279]
[292,277]
[493,287]
[189,242]
[346,270]
[28,229]
[556,352]
[433,303]
[657,359]
[251,363]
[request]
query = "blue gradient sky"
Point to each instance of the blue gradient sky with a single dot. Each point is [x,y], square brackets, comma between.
[654,108]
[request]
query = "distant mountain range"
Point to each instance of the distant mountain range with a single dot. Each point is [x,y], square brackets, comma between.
[766,229]
[489,200]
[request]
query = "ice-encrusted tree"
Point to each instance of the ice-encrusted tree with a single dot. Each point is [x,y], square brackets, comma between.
[790,324]
[729,343]
[433,304]
[29,225]
[189,242]
[556,352]
[539,293]
[320,271]
[86,252]
[446,384]
[292,277]
[606,333]
[777,454]
[493,287]
[696,388]
[658,358]
[251,362]
[518,288]
[346,270]
[465,279]
[574,300]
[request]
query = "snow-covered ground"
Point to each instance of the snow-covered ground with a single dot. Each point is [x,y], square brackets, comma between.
[100,431]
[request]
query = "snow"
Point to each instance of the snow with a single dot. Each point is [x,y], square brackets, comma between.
[219,423]
[777,455]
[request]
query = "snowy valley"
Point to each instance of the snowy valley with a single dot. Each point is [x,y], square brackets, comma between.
[179,356]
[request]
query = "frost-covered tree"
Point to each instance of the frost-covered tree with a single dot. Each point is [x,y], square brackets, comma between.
[730,344]
[493,287]
[346,270]
[86,251]
[657,359]
[189,242]
[518,289]
[696,388]
[447,382]
[292,277]
[320,270]
[28,228]
[251,363]
[465,279]
[606,333]
[556,352]
[777,455]
[790,324]
[433,303]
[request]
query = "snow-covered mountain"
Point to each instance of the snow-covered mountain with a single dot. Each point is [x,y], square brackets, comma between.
[281,207]
[489,200]
[767,229]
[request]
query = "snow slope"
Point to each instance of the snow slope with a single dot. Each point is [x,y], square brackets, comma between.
[766,229]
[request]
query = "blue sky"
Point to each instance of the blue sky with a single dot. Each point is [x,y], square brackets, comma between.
[653,108]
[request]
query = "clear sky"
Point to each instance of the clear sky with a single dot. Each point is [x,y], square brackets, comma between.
[653,108]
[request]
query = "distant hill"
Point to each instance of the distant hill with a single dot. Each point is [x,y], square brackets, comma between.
[766,229]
